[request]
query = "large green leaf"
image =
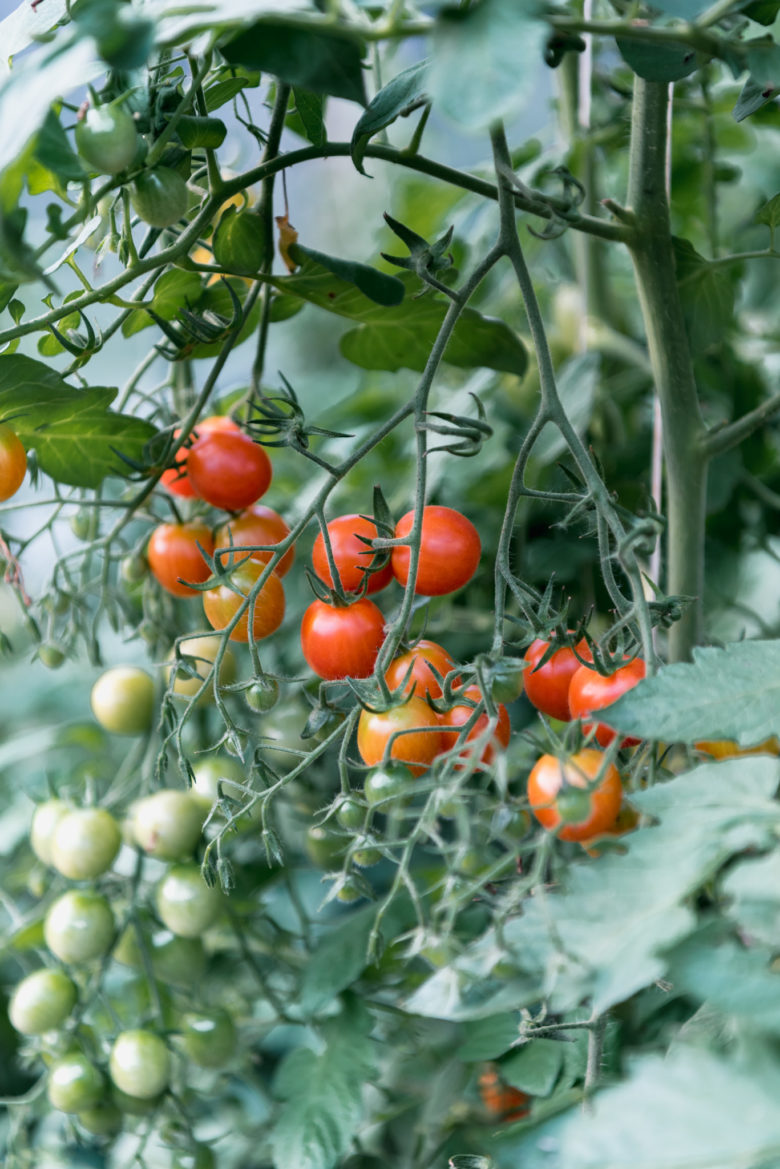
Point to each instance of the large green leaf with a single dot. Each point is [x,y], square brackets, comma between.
[387,105]
[656,62]
[338,960]
[729,693]
[752,892]
[535,1067]
[317,59]
[377,286]
[77,439]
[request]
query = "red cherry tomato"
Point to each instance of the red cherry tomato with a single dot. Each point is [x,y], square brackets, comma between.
[228,469]
[174,556]
[419,744]
[175,479]
[589,691]
[221,604]
[501,1101]
[350,554]
[422,679]
[558,794]
[450,549]
[13,462]
[459,715]
[547,686]
[342,642]
[257,525]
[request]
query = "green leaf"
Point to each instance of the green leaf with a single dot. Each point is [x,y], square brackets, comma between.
[377,286]
[309,111]
[752,890]
[54,152]
[486,61]
[728,693]
[176,289]
[7,291]
[770,212]
[754,95]
[707,292]
[762,11]
[337,961]
[77,439]
[682,9]
[656,62]
[323,1094]
[577,381]
[221,92]
[535,1067]
[323,61]
[489,1038]
[27,22]
[392,101]
[471,1161]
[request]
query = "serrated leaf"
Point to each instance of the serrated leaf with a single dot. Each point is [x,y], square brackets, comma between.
[337,961]
[770,212]
[317,59]
[310,108]
[535,1067]
[385,107]
[728,693]
[656,62]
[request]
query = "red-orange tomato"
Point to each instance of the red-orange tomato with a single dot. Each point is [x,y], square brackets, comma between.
[729,749]
[557,795]
[589,691]
[450,549]
[459,715]
[174,556]
[501,1101]
[350,554]
[422,679]
[175,479]
[342,642]
[418,746]
[547,686]
[257,525]
[13,462]
[221,604]
[228,469]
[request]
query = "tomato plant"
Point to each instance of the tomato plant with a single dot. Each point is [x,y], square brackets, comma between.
[228,469]
[351,555]
[13,462]
[565,800]
[45,819]
[175,479]
[409,732]
[547,685]
[122,700]
[106,138]
[450,549]
[140,1064]
[267,607]
[342,641]
[196,658]
[590,691]
[422,664]
[176,555]
[209,1037]
[258,524]
[42,1001]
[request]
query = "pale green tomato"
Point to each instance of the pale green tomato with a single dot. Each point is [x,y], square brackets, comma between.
[168,824]
[199,653]
[175,960]
[79,927]
[140,1064]
[185,902]
[123,700]
[133,1105]
[209,1037]
[45,819]
[107,139]
[85,843]
[103,1120]
[41,1002]
[74,1084]
[228,774]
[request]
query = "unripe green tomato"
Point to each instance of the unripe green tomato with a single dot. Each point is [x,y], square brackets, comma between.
[103,1120]
[85,843]
[122,700]
[159,196]
[133,569]
[507,680]
[349,891]
[366,856]
[228,774]
[262,695]
[140,1064]
[168,824]
[82,524]
[351,814]
[209,1037]
[133,1105]
[106,138]
[239,242]
[175,960]
[385,787]
[185,902]
[41,1002]
[74,1084]
[45,819]
[199,1157]
[51,656]
[79,927]
[324,848]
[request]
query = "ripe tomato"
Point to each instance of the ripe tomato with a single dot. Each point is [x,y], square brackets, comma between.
[257,525]
[342,642]
[547,686]
[79,926]
[558,794]
[122,700]
[221,604]
[459,715]
[501,1101]
[228,470]
[422,679]
[140,1064]
[74,1083]
[351,556]
[185,902]
[85,843]
[42,1001]
[589,691]
[174,556]
[175,479]
[168,824]
[419,744]
[450,549]
[13,462]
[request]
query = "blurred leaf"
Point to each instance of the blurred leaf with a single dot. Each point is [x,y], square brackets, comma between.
[309,108]
[488,1038]
[770,212]
[221,92]
[754,95]
[320,60]
[377,286]
[707,292]
[577,381]
[26,22]
[762,11]
[54,152]
[752,890]
[535,1067]
[337,961]
[176,289]
[656,62]
[387,105]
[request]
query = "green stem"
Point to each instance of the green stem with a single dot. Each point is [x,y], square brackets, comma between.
[652,253]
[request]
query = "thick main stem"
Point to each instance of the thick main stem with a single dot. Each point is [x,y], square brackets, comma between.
[652,253]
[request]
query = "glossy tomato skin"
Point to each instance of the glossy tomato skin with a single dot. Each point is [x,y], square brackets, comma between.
[174,556]
[140,1064]
[45,819]
[79,927]
[168,824]
[107,139]
[175,479]
[228,470]
[340,642]
[557,795]
[13,462]
[85,843]
[450,549]
[459,715]
[209,1037]
[422,741]
[350,554]
[74,1083]
[589,691]
[422,679]
[42,1001]
[257,524]
[547,686]
[122,700]
[221,604]
[185,902]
